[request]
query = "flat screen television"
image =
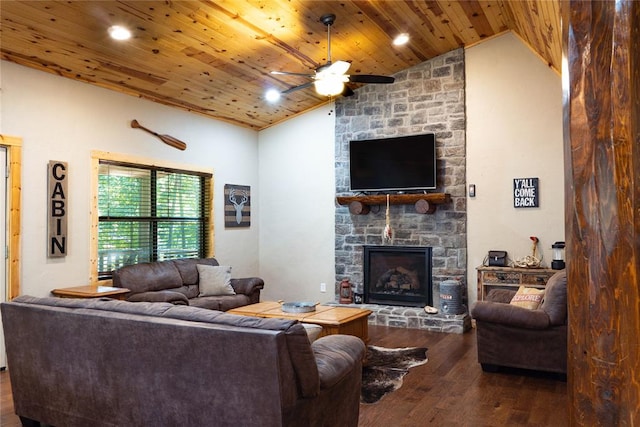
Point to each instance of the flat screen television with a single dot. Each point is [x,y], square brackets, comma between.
[393,164]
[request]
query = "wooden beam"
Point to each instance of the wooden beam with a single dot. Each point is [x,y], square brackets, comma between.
[601,86]
[424,203]
[396,199]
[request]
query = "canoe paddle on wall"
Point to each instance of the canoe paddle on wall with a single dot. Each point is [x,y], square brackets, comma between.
[167,139]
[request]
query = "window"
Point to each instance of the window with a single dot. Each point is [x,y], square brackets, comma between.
[149,213]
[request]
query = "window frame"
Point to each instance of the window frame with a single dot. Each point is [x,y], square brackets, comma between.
[96,158]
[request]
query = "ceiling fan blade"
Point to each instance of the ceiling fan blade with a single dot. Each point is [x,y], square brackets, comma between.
[287,73]
[370,78]
[295,88]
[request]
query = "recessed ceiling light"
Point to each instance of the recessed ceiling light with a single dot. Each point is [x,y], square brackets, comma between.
[118,32]
[272,95]
[401,39]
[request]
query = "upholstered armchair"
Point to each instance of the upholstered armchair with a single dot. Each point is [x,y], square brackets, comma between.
[513,336]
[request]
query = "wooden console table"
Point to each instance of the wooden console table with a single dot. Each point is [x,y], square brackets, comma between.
[424,203]
[91,291]
[511,278]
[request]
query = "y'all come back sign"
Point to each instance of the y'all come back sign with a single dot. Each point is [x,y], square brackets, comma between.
[526,193]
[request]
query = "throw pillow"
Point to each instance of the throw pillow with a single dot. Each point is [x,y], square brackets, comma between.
[528,297]
[214,280]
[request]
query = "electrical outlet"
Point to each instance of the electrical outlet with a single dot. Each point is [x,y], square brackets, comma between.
[323,287]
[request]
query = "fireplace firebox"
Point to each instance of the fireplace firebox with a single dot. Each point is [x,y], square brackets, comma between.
[397,275]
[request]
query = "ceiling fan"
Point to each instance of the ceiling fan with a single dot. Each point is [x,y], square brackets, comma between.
[330,79]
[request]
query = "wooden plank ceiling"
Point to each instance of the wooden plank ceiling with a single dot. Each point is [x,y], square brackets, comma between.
[215,57]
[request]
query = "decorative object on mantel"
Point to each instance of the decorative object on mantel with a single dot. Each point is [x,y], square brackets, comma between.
[167,139]
[530,261]
[237,205]
[424,203]
[387,234]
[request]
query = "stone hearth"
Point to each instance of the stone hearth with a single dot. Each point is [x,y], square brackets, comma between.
[414,318]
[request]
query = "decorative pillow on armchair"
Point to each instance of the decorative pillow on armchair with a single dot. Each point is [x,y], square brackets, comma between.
[530,298]
[214,280]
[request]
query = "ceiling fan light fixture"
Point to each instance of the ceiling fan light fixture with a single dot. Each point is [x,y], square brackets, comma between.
[330,78]
[329,86]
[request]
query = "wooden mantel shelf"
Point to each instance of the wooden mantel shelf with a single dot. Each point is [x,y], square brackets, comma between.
[424,203]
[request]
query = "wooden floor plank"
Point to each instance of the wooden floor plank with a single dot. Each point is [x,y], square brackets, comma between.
[449,390]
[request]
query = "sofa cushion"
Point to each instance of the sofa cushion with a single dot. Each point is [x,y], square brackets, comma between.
[529,298]
[214,280]
[148,276]
[160,296]
[188,270]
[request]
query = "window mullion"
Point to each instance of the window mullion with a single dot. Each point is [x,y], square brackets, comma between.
[154,215]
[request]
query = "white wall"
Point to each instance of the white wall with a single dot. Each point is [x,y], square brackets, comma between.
[297,207]
[60,119]
[514,130]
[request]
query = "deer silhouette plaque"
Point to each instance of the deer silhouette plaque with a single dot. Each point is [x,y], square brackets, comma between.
[237,205]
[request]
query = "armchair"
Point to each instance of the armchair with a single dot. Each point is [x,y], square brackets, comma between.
[516,337]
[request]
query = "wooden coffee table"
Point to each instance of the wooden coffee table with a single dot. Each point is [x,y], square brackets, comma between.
[91,291]
[333,319]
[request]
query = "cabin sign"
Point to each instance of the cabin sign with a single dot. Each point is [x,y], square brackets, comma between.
[57,209]
[526,193]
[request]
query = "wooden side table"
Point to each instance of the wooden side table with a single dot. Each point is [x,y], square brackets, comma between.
[91,291]
[511,278]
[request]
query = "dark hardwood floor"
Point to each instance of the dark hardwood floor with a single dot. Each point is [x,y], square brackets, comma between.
[452,390]
[449,390]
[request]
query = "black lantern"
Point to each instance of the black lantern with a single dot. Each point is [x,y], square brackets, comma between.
[558,256]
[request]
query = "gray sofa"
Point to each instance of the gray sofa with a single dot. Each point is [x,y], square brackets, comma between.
[176,281]
[103,362]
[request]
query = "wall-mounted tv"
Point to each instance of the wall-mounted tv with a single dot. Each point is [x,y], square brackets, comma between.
[393,164]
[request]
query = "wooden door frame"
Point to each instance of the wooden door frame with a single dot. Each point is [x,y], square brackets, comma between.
[13,206]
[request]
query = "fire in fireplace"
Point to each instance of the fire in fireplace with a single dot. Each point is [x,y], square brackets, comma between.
[398,275]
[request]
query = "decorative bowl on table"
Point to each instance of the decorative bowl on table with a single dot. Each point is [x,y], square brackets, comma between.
[298,307]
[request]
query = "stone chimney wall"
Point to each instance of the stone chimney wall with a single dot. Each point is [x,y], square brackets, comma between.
[429,97]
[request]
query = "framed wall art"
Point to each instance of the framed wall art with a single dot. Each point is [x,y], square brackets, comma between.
[237,205]
[526,193]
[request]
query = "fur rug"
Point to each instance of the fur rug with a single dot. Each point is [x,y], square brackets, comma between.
[384,368]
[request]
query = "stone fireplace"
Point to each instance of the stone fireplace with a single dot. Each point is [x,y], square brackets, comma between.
[397,275]
[429,97]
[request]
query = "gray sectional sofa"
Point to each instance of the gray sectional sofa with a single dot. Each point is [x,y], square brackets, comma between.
[99,363]
[177,282]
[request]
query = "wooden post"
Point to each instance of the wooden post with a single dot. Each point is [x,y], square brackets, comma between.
[601,95]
